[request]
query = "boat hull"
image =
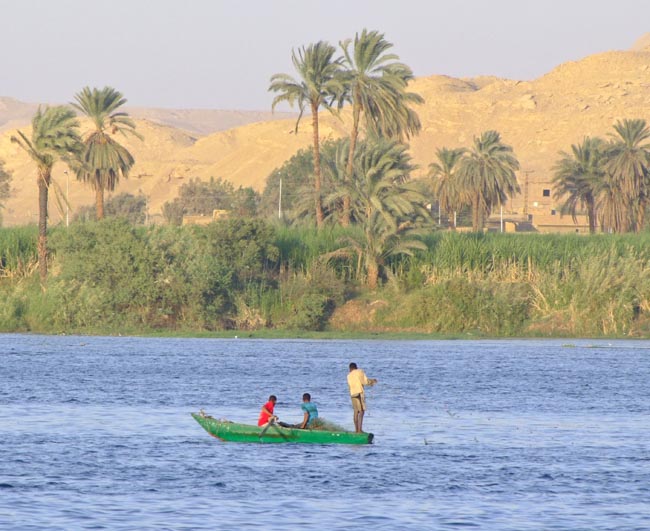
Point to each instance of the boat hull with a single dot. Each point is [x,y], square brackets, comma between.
[234,432]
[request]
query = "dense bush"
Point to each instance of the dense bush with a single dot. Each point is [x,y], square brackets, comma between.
[158,277]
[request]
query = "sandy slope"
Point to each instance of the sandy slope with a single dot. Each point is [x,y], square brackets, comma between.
[538,118]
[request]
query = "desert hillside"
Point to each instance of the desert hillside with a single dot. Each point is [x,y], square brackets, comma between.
[16,114]
[538,118]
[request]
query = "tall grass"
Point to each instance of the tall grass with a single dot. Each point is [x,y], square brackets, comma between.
[516,256]
[18,251]
[301,245]
[531,284]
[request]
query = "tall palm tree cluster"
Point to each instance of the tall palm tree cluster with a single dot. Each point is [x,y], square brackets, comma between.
[97,159]
[371,167]
[482,177]
[369,79]
[608,179]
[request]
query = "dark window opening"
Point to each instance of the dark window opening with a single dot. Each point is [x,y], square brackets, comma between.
[546,192]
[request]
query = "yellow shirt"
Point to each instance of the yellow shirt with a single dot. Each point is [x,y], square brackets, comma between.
[356,380]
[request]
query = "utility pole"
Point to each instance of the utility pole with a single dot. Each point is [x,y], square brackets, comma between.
[67,200]
[280,201]
[526,174]
[501,205]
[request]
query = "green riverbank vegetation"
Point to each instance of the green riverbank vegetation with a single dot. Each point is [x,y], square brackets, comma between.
[111,277]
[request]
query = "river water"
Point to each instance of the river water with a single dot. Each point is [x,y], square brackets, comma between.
[96,433]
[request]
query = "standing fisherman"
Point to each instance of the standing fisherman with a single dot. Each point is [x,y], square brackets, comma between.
[356,380]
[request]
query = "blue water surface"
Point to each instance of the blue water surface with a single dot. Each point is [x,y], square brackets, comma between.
[96,433]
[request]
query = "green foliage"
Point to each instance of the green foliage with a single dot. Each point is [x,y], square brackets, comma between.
[571,285]
[160,277]
[310,312]
[388,209]
[13,308]
[295,174]
[245,245]
[200,198]
[301,246]
[308,297]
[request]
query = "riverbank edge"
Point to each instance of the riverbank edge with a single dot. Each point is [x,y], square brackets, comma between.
[326,335]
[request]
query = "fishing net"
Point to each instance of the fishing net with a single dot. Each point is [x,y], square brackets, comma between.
[322,424]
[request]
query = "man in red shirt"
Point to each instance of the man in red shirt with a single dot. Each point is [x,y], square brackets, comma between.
[266,415]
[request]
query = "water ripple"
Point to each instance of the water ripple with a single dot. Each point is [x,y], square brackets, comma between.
[95,433]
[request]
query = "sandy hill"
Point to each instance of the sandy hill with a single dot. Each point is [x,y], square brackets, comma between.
[199,122]
[203,122]
[14,113]
[538,118]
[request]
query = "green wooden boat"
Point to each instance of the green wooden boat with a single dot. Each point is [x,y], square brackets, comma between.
[231,431]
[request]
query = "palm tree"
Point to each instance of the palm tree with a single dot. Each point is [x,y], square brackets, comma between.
[384,205]
[487,176]
[104,160]
[54,136]
[334,162]
[612,206]
[319,86]
[443,171]
[376,87]
[578,179]
[628,162]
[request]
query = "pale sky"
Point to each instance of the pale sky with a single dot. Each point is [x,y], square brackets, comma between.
[220,54]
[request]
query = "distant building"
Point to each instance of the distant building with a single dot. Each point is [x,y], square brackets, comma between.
[204,220]
[535,210]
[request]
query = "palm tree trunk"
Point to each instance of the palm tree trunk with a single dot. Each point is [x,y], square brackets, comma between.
[317,169]
[591,215]
[476,216]
[43,183]
[354,134]
[373,274]
[640,213]
[99,202]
